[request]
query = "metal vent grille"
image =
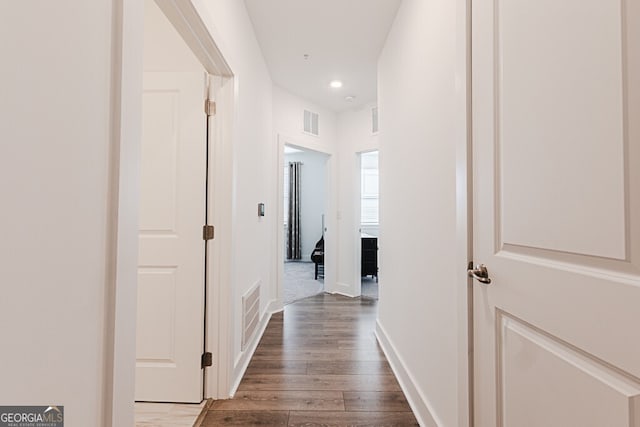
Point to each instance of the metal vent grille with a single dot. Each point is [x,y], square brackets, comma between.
[250,313]
[374,120]
[310,124]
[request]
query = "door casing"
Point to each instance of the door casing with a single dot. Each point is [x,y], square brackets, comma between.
[120,310]
[330,241]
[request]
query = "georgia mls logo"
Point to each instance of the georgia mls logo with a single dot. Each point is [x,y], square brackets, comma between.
[31,416]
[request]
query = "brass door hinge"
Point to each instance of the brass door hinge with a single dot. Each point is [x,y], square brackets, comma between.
[210,107]
[208,232]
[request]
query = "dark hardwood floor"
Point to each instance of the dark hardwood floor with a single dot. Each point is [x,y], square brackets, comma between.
[318,364]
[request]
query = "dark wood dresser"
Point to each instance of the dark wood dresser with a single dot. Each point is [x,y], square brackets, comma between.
[369,263]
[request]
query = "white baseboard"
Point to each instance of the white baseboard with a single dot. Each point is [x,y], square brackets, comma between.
[343,289]
[243,359]
[344,294]
[418,402]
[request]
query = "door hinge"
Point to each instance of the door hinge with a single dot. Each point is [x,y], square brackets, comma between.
[210,107]
[208,232]
[206,360]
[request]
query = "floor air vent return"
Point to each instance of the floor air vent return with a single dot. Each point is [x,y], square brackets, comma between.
[250,313]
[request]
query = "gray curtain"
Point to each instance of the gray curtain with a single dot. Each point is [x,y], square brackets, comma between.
[294,247]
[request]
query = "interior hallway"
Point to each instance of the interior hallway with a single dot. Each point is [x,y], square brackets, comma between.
[318,363]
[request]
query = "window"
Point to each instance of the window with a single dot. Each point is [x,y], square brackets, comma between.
[369,189]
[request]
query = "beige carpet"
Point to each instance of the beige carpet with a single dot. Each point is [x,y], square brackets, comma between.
[299,281]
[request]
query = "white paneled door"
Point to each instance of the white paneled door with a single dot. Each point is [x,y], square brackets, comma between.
[171,258]
[556,168]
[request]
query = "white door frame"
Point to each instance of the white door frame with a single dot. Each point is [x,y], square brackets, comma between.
[464,214]
[121,287]
[357,259]
[219,339]
[330,224]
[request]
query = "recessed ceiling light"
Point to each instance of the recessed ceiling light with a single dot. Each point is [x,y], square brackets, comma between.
[349,98]
[336,84]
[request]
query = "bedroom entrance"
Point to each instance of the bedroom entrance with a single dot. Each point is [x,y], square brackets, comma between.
[304,207]
[369,224]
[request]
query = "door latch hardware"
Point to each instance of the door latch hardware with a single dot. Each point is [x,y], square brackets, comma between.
[480,273]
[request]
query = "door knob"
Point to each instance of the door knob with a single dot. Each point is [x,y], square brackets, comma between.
[480,273]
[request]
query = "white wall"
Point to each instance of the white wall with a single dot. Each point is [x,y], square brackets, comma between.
[254,160]
[313,193]
[56,235]
[355,136]
[288,110]
[422,122]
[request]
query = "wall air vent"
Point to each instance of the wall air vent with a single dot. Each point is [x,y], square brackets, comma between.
[374,120]
[310,124]
[250,313]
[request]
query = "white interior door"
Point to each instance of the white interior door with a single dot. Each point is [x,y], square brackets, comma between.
[556,134]
[171,259]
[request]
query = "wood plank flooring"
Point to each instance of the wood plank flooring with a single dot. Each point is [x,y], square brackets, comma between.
[318,364]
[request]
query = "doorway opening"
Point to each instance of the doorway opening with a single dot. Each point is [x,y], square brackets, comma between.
[173,201]
[178,42]
[304,208]
[369,224]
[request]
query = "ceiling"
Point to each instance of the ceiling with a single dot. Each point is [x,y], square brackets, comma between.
[343,39]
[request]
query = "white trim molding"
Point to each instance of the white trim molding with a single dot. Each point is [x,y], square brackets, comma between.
[244,358]
[219,295]
[122,237]
[417,400]
[345,289]
[187,21]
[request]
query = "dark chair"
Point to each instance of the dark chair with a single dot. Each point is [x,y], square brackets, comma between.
[317,256]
